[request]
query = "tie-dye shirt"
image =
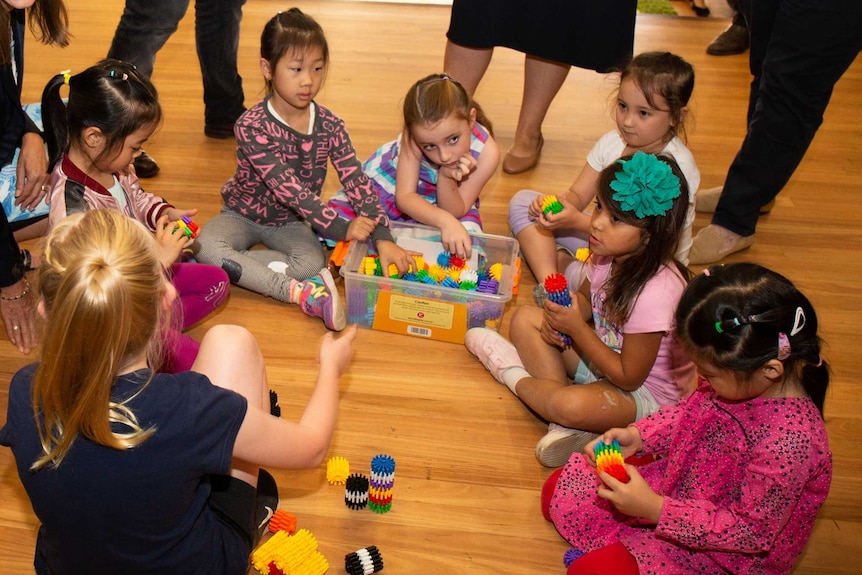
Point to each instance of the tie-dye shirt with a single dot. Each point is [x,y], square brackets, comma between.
[280,173]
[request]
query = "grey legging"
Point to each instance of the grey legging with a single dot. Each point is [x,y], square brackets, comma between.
[225,241]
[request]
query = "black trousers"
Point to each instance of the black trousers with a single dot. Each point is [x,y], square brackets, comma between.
[799,49]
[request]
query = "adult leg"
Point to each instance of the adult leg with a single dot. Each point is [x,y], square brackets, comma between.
[542,80]
[465,64]
[144,28]
[798,51]
[734,39]
[217,25]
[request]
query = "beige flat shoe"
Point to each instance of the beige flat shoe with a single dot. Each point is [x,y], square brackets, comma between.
[707,200]
[709,245]
[513,164]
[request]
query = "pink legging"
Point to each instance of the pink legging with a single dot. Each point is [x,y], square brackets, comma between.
[201,289]
[613,559]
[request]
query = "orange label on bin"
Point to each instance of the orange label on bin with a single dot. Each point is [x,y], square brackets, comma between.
[421,317]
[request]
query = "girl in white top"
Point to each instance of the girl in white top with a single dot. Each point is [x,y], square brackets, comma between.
[652,104]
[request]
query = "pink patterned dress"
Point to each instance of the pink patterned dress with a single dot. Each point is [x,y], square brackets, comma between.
[742,481]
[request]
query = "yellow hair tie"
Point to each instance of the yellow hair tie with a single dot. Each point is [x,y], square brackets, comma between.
[66,75]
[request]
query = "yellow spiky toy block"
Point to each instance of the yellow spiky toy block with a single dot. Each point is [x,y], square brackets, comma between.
[337,470]
[290,555]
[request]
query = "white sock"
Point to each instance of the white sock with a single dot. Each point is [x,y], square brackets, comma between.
[278,267]
[513,375]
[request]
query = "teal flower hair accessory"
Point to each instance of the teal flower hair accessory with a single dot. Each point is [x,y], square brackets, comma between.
[646,186]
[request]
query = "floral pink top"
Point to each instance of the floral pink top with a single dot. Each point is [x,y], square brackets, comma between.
[742,481]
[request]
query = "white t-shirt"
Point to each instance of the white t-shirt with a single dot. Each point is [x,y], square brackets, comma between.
[611,146]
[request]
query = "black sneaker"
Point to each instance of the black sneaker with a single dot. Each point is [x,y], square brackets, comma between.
[145,166]
[219,131]
[267,501]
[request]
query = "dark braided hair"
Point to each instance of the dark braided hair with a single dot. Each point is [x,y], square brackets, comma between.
[736,317]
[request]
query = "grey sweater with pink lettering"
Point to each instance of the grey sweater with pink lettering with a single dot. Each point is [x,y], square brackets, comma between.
[280,173]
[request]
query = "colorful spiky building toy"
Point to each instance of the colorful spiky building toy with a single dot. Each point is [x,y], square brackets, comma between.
[609,458]
[285,554]
[557,290]
[281,520]
[449,271]
[551,204]
[337,470]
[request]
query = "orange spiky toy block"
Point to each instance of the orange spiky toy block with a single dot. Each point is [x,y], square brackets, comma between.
[281,520]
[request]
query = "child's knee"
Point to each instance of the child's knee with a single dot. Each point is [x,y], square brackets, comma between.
[519,210]
[525,320]
[232,339]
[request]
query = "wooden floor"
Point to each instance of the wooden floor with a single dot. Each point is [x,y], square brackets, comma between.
[466,496]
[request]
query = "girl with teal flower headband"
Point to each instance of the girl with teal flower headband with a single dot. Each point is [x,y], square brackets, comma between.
[622,355]
[650,108]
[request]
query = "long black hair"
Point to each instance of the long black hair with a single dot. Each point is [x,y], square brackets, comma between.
[111,96]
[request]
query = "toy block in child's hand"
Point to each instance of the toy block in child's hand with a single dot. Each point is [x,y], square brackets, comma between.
[551,204]
[609,459]
[557,290]
[188,227]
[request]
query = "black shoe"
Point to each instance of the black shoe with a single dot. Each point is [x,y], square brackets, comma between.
[734,40]
[219,131]
[701,11]
[145,166]
[267,501]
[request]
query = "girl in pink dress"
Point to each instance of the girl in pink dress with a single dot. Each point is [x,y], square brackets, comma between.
[744,462]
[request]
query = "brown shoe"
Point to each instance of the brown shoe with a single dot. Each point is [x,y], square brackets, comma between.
[513,164]
[714,243]
[707,200]
[734,40]
[145,166]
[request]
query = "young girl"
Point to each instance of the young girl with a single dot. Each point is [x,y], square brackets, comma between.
[134,472]
[92,140]
[284,144]
[745,462]
[651,107]
[433,173]
[626,363]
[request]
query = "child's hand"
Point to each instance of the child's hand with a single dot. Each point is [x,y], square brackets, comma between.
[459,170]
[567,218]
[337,351]
[392,253]
[558,318]
[628,438]
[360,228]
[170,239]
[177,214]
[635,498]
[456,240]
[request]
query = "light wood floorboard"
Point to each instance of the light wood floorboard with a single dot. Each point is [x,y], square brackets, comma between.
[466,496]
